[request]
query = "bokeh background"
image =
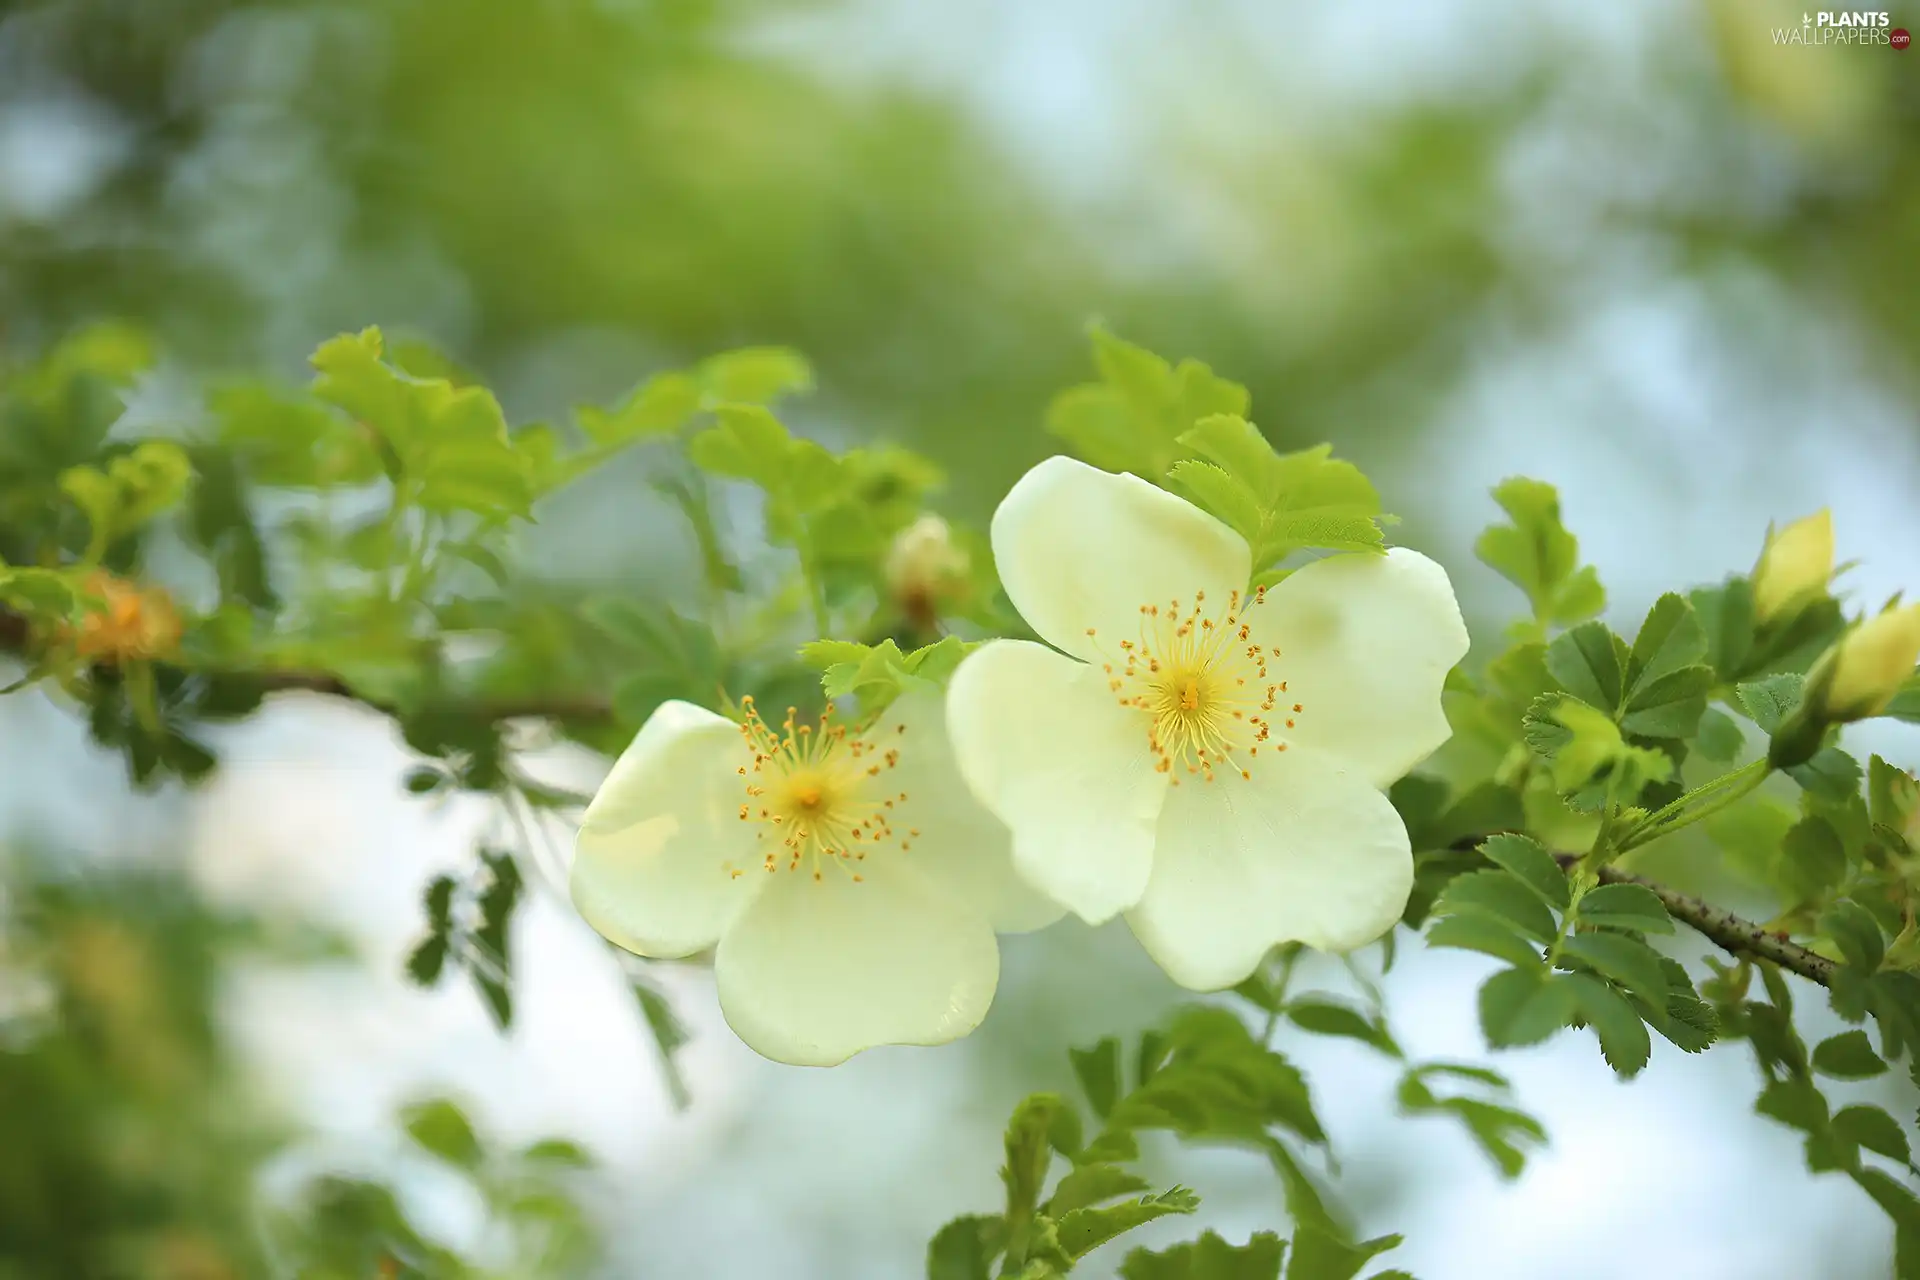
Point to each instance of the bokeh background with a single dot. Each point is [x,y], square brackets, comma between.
[1638,250]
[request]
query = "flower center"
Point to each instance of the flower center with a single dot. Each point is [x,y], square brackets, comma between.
[815,793]
[1202,685]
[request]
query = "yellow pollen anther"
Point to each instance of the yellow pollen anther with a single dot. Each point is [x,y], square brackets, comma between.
[813,793]
[1200,679]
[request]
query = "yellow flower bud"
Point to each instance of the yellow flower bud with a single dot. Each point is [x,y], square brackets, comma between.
[923,565]
[1870,664]
[1794,567]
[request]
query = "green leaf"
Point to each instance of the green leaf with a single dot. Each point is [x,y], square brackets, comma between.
[1586,754]
[1892,1196]
[1770,701]
[1320,1255]
[1133,419]
[1874,1129]
[1726,616]
[754,375]
[1209,1258]
[1090,1184]
[1670,639]
[1671,705]
[1098,1070]
[1848,1056]
[1718,738]
[1487,935]
[1279,503]
[1857,934]
[965,1248]
[1330,1018]
[1536,553]
[445,447]
[1503,1133]
[559,1153]
[1797,1103]
[1028,1154]
[442,1128]
[1626,960]
[1083,1230]
[1831,774]
[1812,860]
[1588,661]
[746,443]
[1532,865]
[428,958]
[1906,703]
[1524,1006]
[877,674]
[660,406]
[1623,1036]
[1626,906]
[1501,896]
[669,1037]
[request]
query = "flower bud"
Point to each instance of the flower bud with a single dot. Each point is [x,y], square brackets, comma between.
[1866,669]
[1795,566]
[923,565]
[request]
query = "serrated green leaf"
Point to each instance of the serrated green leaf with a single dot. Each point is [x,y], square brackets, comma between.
[1906,702]
[1089,1185]
[1028,1154]
[442,1129]
[965,1248]
[1671,705]
[1320,1255]
[1874,1129]
[1812,860]
[1083,1230]
[1626,960]
[1770,701]
[1848,1056]
[1332,1018]
[1626,906]
[1831,774]
[754,375]
[1797,1103]
[1502,896]
[1726,617]
[1487,935]
[1589,663]
[1133,418]
[1278,502]
[1524,1006]
[1525,859]
[1857,934]
[1098,1070]
[1536,553]
[1718,737]
[1209,1258]
[1623,1036]
[1671,638]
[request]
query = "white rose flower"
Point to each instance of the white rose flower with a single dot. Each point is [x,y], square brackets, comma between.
[1206,760]
[851,883]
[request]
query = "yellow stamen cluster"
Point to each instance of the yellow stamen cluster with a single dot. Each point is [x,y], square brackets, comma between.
[1203,684]
[130,623]
[816,793]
